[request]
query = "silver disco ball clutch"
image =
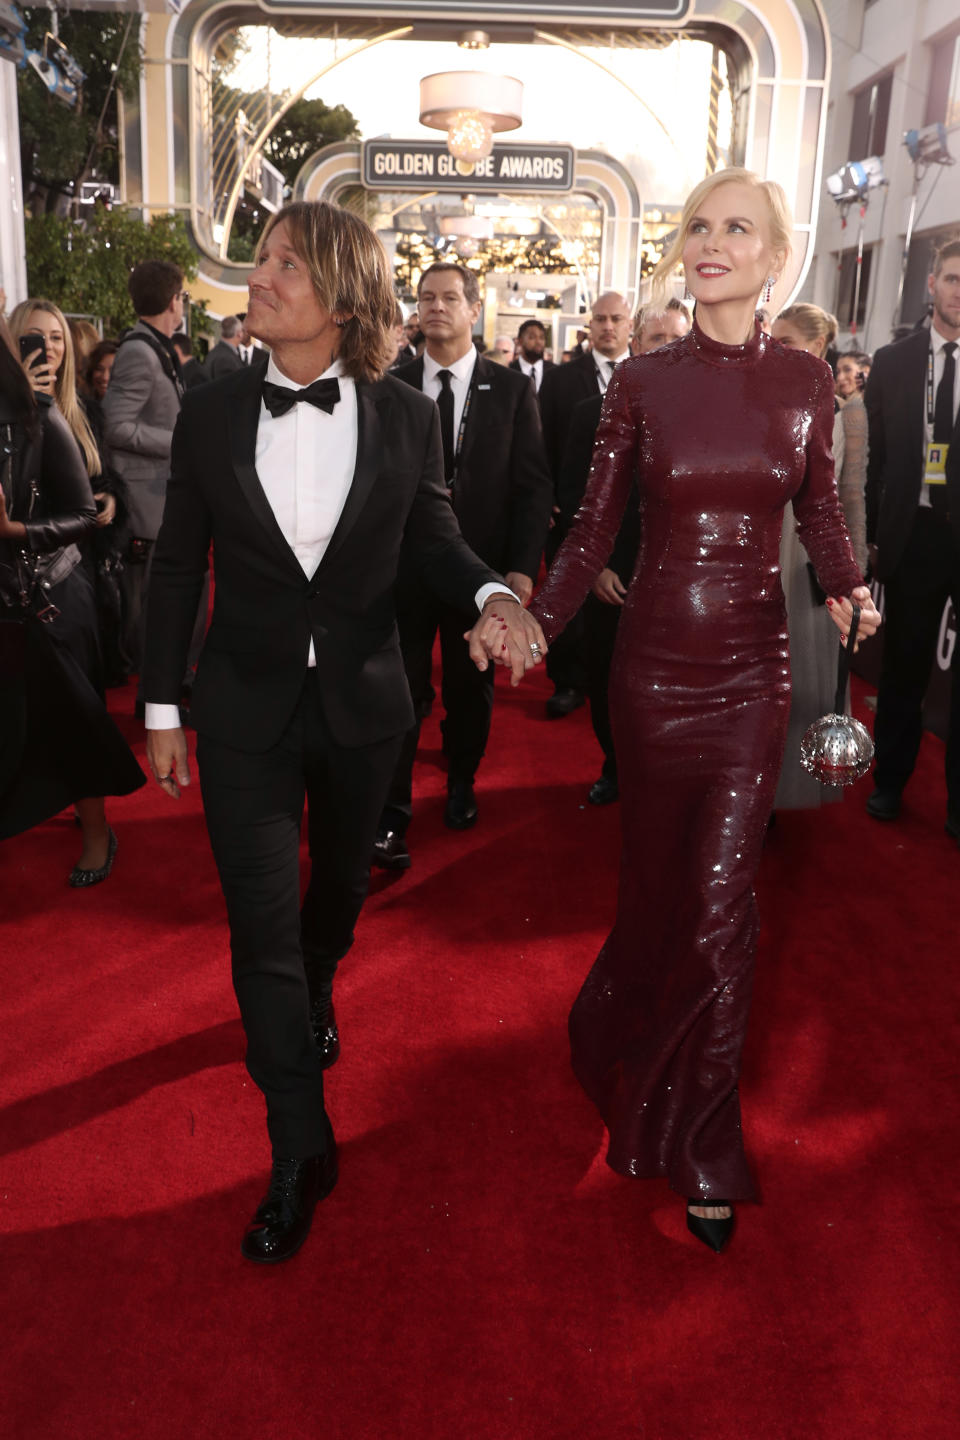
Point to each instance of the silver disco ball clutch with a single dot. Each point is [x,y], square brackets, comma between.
[836,749]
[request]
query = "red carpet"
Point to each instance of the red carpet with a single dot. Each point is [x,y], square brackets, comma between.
[478,1272]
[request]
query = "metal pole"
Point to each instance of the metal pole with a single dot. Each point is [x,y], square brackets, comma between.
[907,239]
[856,288]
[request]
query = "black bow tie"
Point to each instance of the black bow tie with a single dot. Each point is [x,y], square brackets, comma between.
[322,393]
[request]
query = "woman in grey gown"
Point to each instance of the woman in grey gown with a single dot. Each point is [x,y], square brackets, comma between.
[813,639]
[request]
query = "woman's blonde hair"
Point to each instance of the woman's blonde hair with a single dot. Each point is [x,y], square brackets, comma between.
[812,322]
[781,221]
[65,383]
[351,277]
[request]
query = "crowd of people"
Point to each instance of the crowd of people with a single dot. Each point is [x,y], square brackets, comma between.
[666,468]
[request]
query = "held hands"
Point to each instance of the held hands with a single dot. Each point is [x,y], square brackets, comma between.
[508,635]
[841,613]
[167,758]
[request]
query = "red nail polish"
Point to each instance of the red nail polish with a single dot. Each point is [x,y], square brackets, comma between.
[829,604]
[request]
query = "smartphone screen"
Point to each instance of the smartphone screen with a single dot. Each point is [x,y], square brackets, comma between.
[31,343]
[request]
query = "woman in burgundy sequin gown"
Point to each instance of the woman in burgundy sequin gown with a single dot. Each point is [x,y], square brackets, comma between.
[722,435]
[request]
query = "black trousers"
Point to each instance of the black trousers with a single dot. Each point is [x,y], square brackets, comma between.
[466,692]
[927,576]
[285,954]
[600,625]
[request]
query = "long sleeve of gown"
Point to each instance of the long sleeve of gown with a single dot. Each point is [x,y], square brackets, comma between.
[591,540]
[820,521]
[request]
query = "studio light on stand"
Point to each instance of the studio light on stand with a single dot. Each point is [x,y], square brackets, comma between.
[851,185]
[925,147]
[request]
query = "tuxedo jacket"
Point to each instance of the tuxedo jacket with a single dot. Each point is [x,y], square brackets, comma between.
[266,610]
[896,398]
[561,391]
[502,492]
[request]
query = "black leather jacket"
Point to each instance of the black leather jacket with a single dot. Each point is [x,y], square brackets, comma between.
[46,487]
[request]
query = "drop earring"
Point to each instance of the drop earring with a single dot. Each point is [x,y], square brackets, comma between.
[767,292]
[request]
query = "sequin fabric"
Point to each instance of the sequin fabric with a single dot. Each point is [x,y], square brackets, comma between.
[722,437]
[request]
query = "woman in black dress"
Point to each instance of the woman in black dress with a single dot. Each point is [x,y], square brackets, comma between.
[59,746]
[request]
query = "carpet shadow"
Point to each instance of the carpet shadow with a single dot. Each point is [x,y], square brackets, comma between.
[64,1107]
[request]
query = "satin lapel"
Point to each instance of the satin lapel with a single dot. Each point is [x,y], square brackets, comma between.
[243,416]
[369,458]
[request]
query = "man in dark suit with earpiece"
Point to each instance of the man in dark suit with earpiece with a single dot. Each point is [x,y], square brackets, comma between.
[499,483]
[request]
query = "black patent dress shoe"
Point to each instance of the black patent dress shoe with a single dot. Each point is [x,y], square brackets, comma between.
[952,825]
[563,701]
[604,791]
[714,1233]
[81,879]
[323,1020]
[390,851]
[884,804]
[283,1218]
[461,811]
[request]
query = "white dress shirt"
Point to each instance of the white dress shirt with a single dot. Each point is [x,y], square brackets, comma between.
[306,498]
[536,370]
[461,378]
[605,368]
[937,342]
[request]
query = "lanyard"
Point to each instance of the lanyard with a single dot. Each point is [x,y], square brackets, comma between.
[462,427]
[930,398]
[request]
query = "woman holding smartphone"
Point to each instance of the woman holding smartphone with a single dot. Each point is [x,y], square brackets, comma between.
[43,479]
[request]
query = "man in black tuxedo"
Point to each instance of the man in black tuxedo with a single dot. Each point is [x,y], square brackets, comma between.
[913,526]
[300,690]
[586,376]
[500,486]
[532,340]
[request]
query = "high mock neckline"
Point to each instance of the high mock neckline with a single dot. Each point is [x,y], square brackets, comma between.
[716,353]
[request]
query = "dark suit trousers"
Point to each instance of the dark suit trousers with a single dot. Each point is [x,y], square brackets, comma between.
[926,577]
[284,955]
[600,629]
[466,692]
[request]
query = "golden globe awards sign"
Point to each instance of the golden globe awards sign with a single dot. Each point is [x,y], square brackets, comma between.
[428,164]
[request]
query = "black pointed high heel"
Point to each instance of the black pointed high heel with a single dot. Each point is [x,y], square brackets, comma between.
[714,1233]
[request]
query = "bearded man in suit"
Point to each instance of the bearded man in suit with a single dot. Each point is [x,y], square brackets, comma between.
[309,481]
[496,472]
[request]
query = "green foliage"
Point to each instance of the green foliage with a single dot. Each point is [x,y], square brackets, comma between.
[55,140]
[307,126]
[83,266]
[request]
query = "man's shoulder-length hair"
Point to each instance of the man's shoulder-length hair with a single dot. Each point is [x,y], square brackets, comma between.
[351,275]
